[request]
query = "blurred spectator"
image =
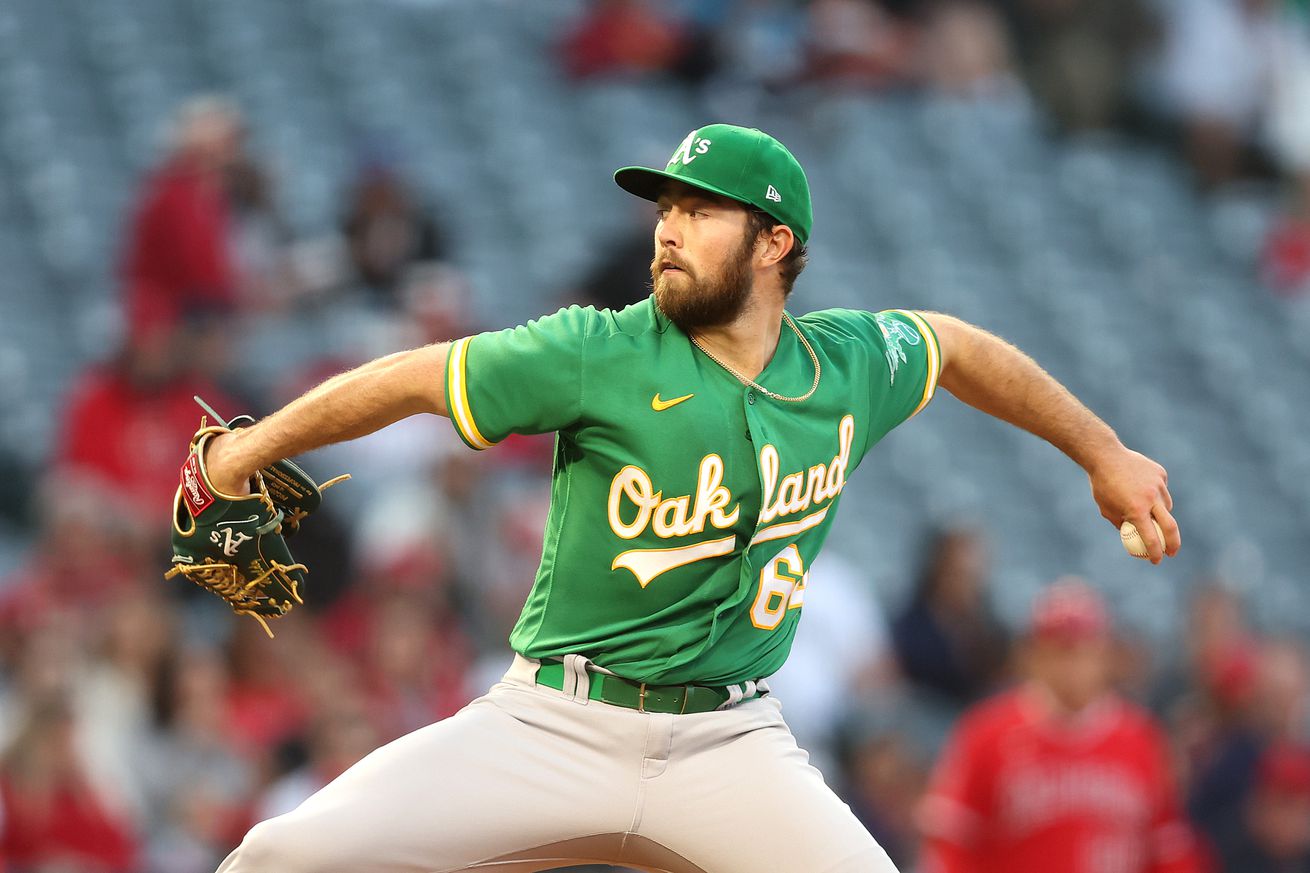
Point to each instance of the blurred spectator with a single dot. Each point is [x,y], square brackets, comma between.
[43,668]
[842,648]
[1078,56]
[400,626]
[505,575]
[1060,773]
[178,254]
[261,242]
[1282,692]
[859,44]
[86,552]
[1272,834]
[435,303]
[1259,696]
[1216,626]
[127,423]
[264,706]
[1289,125]
[1286,259]
[338,740]
[622,275]
[1217,69]
[417,660]
[387,230]
[115,692]
[199,787]
[967,51]
[947,640]
[54,819]
[1222,747]
[192,837]
[886,784]
[625,38]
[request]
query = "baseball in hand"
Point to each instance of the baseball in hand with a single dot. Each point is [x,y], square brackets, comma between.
[1133,542]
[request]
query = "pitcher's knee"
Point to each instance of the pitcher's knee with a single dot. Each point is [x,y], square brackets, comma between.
[278,846]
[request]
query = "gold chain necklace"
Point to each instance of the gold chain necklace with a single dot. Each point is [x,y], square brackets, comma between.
[758,387]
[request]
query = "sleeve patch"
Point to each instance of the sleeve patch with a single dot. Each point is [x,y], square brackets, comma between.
[934,355]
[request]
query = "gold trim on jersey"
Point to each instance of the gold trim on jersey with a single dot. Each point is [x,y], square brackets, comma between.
[790,528]
[457,392]
[934,357]
[646,564]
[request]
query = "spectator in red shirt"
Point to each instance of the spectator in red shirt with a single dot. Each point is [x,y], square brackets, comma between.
[53,817]
[1060,773]
[83,556]
[623,37]
[126,424]
[178,254]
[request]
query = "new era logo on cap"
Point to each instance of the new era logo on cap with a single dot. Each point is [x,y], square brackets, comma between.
[772,194]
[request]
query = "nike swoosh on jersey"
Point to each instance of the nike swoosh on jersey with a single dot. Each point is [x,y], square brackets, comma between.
[661,405]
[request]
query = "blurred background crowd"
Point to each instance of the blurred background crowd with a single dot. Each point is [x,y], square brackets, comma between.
[239,199]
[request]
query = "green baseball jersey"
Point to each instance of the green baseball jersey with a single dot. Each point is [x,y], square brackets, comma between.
[686,507]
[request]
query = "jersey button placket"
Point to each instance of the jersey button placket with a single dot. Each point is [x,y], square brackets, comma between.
[750,397]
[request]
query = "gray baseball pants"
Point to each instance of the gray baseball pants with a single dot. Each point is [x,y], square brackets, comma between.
[528,778]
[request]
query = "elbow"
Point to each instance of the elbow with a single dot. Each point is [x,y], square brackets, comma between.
[411,381]
[955,339]
[427,377]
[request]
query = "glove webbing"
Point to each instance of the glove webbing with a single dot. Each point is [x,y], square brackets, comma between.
[222,579]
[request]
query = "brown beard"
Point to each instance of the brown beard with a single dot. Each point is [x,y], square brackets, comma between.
[709,302]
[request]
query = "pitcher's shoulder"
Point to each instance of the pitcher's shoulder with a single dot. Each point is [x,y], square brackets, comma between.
[861,325]
[641,320]
[839,326]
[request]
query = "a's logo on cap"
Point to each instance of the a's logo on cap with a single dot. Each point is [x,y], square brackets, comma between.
[691,148]
[772,194]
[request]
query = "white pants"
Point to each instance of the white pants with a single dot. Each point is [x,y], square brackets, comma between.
[527,778]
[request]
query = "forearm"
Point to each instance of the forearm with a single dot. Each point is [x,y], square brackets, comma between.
[993,376]
[989,374]
[345,407]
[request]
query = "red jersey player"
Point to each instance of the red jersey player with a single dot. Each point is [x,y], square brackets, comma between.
[1059,774]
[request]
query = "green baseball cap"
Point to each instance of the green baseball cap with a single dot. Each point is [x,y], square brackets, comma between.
[743,163]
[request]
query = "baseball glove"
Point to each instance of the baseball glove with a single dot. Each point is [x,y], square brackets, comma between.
[233,545]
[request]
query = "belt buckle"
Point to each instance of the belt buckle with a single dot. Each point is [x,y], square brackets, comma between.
[641,697]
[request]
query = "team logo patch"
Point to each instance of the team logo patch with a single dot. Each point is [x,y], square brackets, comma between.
[197,496]
[230,539]
[894,333]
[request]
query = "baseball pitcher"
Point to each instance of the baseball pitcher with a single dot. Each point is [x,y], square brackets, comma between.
[705,438]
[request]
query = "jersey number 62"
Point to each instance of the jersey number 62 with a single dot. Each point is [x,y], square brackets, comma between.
[782,587]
